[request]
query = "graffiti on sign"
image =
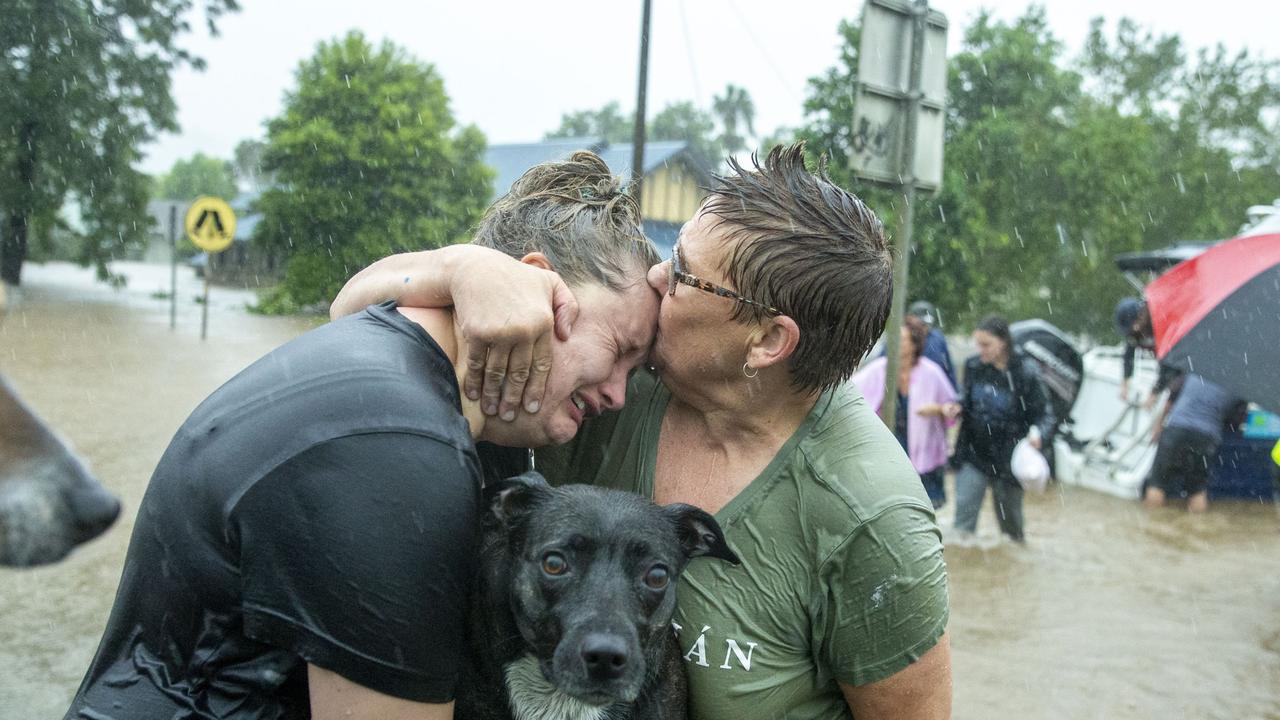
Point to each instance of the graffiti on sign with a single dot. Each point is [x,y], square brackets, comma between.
[871,139]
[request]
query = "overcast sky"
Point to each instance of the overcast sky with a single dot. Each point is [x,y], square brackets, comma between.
[513,67]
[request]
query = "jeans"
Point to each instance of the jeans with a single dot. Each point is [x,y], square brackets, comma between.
[971,488]
[932,482]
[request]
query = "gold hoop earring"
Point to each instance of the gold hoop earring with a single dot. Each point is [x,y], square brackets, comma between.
[749,375]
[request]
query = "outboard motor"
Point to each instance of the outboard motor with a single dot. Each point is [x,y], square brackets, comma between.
[1061,369]
[1061,364]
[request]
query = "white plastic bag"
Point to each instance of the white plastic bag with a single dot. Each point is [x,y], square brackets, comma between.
[1029,467]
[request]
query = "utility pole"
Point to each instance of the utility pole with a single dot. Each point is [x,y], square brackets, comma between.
[902,247]
[637,138]
[173,265]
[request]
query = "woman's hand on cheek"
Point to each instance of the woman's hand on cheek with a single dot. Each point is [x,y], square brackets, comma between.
[507,312]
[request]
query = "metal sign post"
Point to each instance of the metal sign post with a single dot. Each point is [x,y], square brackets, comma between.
[211,225]
[173,266]
[898,128]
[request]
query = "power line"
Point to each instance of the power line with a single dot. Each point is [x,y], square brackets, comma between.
[764,53]
[688,47]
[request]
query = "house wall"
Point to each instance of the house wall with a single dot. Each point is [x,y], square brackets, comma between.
[670,194]
[246,265]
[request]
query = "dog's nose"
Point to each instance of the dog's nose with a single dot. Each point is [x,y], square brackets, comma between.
[94,509]
[605,656]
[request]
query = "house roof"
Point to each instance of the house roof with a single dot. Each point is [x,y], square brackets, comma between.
[511,160]
[246,220]
[242,203]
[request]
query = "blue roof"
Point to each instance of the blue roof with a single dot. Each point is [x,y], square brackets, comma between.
[656,155]
[241,202]
[663,235]
[246,220]
[511,160]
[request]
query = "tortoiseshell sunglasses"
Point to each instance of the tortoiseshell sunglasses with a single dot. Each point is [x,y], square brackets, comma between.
[676,274]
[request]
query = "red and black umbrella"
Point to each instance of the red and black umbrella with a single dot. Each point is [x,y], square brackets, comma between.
[1218,315]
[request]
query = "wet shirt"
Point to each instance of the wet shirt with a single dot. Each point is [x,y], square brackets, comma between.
[1202,406]
[842,576]
[318,508]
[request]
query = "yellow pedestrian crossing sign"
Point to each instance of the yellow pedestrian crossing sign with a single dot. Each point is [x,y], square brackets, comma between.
[211,224]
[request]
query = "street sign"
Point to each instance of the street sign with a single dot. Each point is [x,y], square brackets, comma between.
[897,130]
[211,224]
[881,151]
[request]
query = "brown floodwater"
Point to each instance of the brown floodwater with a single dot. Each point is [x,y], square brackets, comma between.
[1108,612]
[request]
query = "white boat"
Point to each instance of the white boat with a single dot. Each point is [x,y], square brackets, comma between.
[1105,445]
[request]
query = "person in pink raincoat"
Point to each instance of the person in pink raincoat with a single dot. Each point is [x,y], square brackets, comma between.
[923,389]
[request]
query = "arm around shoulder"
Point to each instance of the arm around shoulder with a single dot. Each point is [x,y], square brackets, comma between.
[507,310]
[414,279]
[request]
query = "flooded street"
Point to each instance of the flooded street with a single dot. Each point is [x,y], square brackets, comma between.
[1112,612]
[1109,612]
[105,370]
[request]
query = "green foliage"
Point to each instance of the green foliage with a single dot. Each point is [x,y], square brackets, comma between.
[736,111]
[1054,167]
[780,136]
[684,121]
[246,164]
[712,135]
[83,85]
[367,162]
[607,123]
[200,175]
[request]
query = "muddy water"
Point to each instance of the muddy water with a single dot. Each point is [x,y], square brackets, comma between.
[1109,612]
[105,370]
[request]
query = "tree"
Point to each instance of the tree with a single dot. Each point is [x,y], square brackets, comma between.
[680,120]
[782,135]
[607,124]
[735,111]
[247,165]
[684,121]
[201,175]
[1054,167]
[83,85]
[367,162]
[1214,120]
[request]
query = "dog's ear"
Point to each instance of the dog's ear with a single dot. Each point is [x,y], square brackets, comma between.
[510,499]
[700,534]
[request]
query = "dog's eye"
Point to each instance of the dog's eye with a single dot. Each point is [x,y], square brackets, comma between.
[657,577]
[553,563]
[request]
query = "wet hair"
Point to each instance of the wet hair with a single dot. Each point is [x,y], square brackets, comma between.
[918,331]
[575,213]
[812,250]
[997,327]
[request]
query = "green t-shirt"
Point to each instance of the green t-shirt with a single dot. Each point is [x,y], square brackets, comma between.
[842,576]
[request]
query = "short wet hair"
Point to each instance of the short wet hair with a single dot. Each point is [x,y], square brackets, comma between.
[575,213]
[814,251]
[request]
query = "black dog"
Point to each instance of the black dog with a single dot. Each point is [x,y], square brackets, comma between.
[571,616]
